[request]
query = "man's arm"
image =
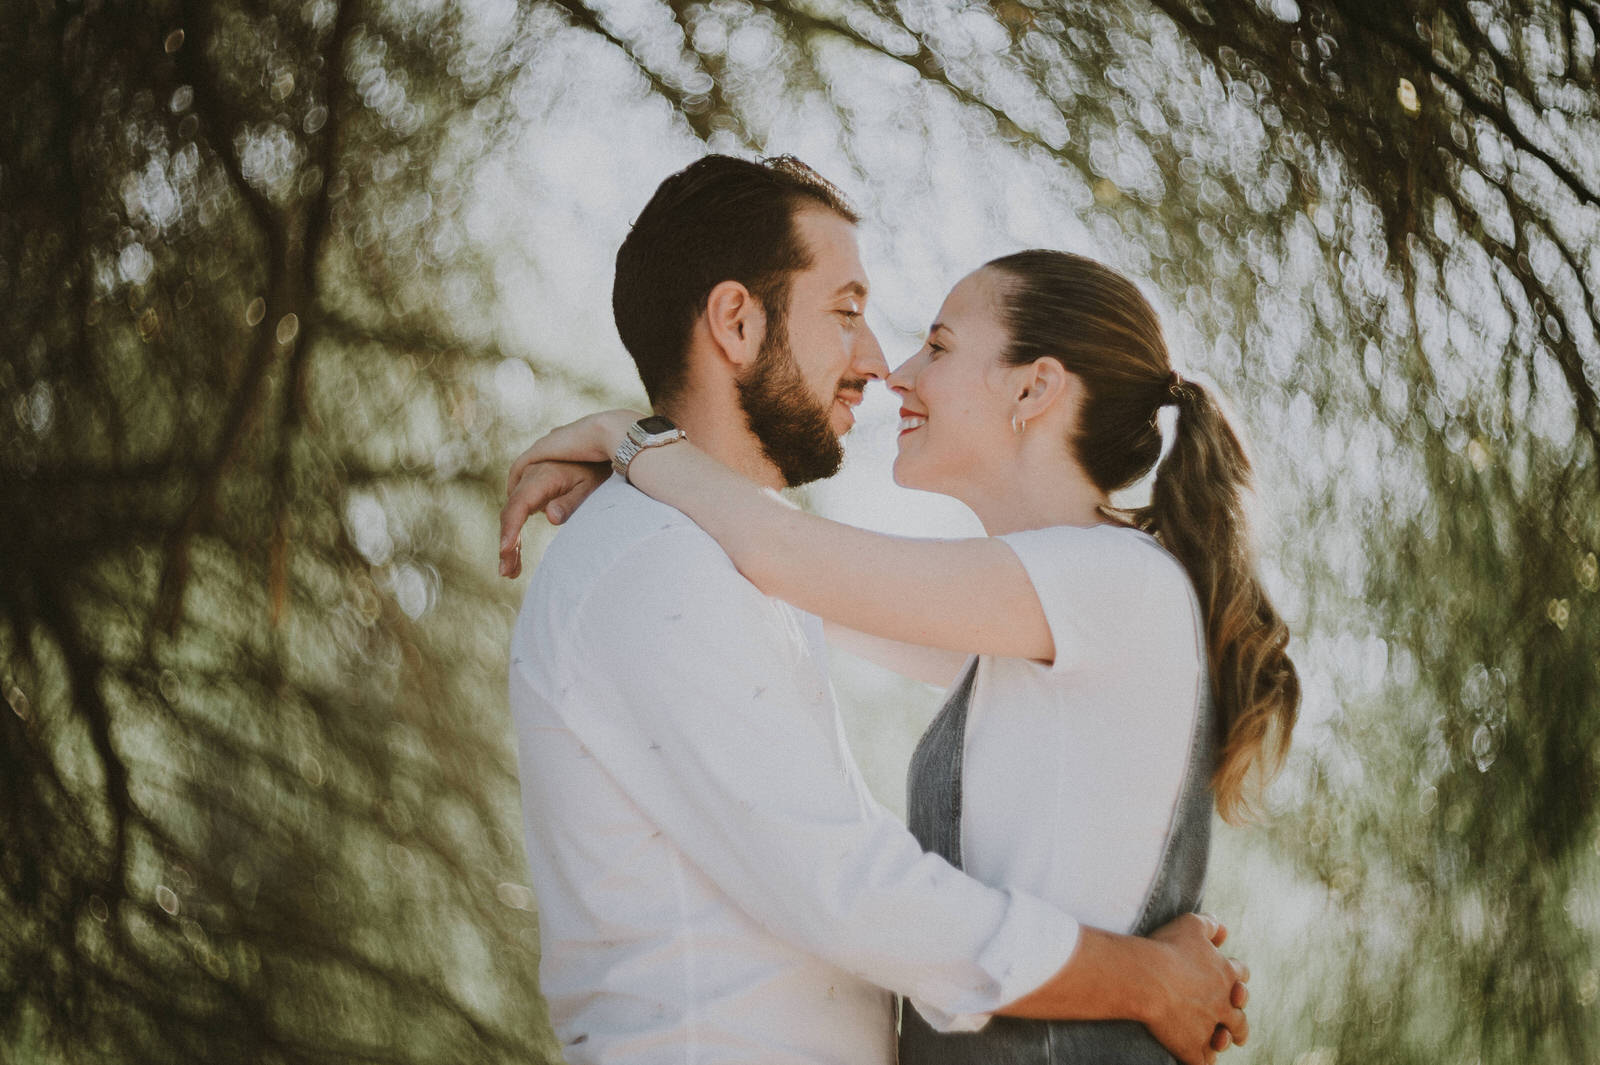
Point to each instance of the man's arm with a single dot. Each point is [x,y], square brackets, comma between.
[698,697]
[1171,982]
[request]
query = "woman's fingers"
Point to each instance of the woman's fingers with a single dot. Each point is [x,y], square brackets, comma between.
[518,466]
[1241,995]
[557,488]
[561,509]
[556,445]
[534,489]
[513,516]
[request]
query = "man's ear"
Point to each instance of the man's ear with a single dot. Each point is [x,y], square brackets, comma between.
[736,321]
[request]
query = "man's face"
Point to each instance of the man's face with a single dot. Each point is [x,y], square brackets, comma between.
[814,363]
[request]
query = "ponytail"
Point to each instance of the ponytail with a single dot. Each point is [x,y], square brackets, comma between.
[1101,328]
[1197,513]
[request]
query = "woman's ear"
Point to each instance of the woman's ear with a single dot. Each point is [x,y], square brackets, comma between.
[1045,384]
[736,322]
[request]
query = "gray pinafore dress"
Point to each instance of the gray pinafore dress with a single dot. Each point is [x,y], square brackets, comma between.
[934,816]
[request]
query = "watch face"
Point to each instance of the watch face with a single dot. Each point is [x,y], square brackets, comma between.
[656,423]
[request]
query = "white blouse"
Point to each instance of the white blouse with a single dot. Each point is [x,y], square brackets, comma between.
[1072,771]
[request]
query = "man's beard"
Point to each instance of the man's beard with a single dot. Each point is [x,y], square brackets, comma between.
[796,433]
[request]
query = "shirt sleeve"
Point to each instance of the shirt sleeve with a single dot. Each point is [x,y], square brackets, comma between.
[1095,586]
[720,726]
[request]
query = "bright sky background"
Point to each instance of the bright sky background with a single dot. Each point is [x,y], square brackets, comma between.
[941,195]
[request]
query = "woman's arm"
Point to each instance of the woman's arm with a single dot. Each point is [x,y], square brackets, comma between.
[930,665]
[968,595]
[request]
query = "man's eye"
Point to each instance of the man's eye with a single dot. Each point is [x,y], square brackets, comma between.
[851,313]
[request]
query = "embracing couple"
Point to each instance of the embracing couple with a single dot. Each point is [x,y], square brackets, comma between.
[715,883]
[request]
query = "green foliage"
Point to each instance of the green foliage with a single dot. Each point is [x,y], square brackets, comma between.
[257,799]
[253,810]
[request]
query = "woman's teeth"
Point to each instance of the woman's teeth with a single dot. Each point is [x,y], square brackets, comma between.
[912,423]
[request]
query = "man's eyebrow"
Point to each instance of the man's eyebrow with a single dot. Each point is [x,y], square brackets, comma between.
[852,288]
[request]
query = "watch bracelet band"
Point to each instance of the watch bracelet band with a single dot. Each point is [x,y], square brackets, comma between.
[639,439]
[625,453]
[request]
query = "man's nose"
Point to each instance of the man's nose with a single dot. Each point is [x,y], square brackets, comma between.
[869,361]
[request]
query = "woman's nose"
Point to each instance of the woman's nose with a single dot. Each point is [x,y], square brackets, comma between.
[901,378]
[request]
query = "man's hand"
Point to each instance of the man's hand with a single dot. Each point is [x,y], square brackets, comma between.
[1175,982]
[1201,994]
[557,488]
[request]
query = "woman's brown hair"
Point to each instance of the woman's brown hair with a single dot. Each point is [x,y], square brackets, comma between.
[1101,328]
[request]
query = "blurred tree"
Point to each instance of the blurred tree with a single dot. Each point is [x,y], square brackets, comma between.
[254,807]
[252,810]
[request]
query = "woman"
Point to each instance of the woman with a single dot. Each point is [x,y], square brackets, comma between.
[1127,666]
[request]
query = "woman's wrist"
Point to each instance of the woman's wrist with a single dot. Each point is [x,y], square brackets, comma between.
[613,426]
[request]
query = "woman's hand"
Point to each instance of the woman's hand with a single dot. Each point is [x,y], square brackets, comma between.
[557,488]
[556,475]
[593,438]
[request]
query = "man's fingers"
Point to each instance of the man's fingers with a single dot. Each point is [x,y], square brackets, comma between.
[1220,1039]
[1237,1025]
[1241,995]
[1210,927]
[1241,971]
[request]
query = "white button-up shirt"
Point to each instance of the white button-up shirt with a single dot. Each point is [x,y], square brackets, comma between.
[715,882]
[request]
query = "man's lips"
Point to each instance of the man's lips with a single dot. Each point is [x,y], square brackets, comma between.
[847,405]
[849,399]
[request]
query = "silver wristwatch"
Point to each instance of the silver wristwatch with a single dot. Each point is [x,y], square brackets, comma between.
[653,431]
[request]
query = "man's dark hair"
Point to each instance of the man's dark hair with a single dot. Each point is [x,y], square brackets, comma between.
[718,219]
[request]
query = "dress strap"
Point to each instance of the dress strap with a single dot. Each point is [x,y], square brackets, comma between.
[933,784]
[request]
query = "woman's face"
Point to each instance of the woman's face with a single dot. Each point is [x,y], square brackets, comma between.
[956,401]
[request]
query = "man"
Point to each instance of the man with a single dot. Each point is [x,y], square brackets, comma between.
[715,882]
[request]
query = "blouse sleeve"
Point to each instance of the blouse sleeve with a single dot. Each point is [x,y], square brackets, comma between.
[1095,587]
